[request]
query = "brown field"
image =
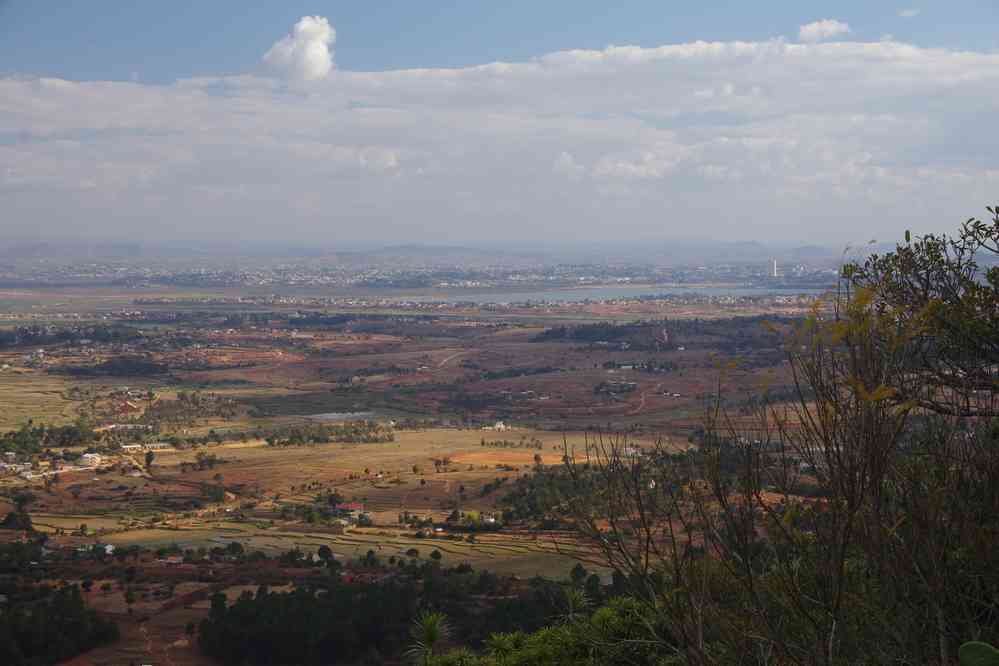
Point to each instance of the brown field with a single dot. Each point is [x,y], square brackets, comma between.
[125,510]
[459,368]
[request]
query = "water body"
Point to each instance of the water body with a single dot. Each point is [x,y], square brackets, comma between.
[599,293]
[343,416]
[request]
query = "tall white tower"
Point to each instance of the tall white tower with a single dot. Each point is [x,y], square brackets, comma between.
[775,268]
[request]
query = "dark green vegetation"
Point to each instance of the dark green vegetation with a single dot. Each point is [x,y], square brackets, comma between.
[976,653]
[733,335]
[337,621]
[312,402]
[49,627]
[342,626]
[637,336]
[48,335]
[123,366]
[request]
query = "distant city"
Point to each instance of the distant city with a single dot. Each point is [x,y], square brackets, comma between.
[413,269]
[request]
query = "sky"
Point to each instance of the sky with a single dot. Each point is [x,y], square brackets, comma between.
[469,122]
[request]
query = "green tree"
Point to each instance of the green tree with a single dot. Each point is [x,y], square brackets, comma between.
[573,605]
[429,631]
[936,285]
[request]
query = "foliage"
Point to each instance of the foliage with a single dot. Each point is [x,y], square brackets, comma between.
[429,631]
[613,634]
[31,438]
[52,629]
[350,432]
[342,625]
[975,653]
[17,520]
[937,286]
[39,335]
[509,373]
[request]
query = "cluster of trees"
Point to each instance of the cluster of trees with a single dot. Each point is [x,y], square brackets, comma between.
[474,402]
[51,629]
[203,461]
[649,365]
[33,438]
[213,492]
[736,335]
[540,498]
[18,518]
[615,387]
[509,373]
[638,335]
[348,432]
[523,443]
[344,625]
[191,405]
[49,335]
[335,622]
[118,366]
[317,512]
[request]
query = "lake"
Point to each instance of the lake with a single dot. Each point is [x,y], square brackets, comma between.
[597,293]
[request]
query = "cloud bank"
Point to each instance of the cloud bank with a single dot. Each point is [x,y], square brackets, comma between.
[818,31]
[826,142]
[304,55]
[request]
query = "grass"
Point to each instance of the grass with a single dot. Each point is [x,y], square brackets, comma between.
[33,395]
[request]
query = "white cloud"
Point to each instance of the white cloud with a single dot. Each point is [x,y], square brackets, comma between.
[818,31]
[304,54]
[823,141]
[566,165]
[911,12]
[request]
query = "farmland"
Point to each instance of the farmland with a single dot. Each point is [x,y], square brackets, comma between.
[237,435]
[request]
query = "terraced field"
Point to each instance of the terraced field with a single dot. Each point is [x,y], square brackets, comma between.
[388,479]
[517,553]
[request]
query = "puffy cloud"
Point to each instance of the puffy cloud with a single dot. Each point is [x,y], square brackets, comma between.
[911,12]
[304,54]
[827,141]
[818,31]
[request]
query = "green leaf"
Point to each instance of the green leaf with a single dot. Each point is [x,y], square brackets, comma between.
[975,653]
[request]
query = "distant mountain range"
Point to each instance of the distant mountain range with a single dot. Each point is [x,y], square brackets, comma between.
[661,252]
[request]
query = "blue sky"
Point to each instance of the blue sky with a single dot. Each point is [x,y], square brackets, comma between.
[101,39]
[388,122]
